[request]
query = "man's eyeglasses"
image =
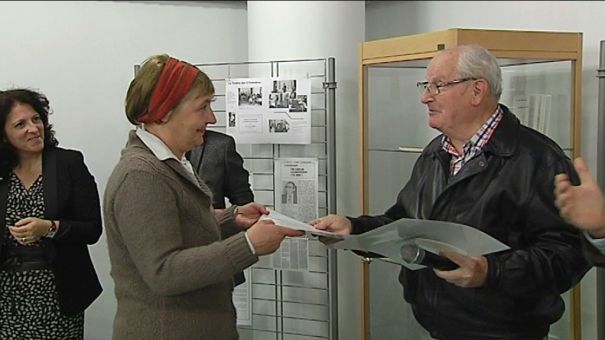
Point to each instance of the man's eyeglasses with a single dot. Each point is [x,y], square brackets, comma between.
[435,88]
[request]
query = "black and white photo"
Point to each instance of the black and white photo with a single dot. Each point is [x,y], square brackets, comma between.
[279,101]
[278,126]
[231,119]
[289,193]
[250,96]
[298,104]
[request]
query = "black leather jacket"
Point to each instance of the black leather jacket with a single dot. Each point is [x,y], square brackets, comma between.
[507,192]
[596,257]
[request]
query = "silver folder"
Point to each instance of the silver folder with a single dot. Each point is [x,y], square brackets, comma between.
[433,236]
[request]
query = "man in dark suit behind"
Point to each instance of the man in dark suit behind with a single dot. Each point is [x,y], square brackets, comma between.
[219,165]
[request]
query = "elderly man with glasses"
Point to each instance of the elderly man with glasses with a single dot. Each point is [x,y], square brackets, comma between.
[488,171]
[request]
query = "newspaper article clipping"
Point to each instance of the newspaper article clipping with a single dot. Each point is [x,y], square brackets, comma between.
[296,186]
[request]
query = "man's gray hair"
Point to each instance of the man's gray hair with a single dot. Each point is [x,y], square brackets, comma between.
[475,61]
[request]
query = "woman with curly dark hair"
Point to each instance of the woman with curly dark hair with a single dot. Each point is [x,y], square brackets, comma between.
[49,205]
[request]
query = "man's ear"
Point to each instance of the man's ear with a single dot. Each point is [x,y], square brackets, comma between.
[480,90]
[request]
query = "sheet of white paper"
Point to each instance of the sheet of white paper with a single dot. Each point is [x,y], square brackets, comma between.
[431,235]
[291,223]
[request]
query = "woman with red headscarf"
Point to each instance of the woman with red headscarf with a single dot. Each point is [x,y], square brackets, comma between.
[171,268]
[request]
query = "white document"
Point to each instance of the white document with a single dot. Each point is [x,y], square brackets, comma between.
[242,300]
[288,222]
[293,254]
[534,110]
[296,188]
[268,110]
[433,236]
[540,108]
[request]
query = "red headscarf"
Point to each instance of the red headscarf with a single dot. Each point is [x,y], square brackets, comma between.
[175,81]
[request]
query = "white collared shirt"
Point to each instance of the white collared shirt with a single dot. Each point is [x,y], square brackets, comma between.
[599,243]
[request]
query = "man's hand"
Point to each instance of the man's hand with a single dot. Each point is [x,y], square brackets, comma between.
[334,223]
[266,236]
[582,205]
[471,273]
[248,214]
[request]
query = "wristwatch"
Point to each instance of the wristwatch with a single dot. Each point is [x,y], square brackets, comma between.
[52,231]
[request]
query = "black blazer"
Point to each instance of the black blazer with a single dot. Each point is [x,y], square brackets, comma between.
[220,166]
[70,196]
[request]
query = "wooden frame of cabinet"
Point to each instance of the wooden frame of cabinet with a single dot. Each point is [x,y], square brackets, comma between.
[524,45]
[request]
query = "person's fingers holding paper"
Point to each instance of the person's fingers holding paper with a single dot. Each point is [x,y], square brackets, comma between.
[333,223]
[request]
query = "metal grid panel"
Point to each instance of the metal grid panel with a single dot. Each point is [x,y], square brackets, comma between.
[289,305]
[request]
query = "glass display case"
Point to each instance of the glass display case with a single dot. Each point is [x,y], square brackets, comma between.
[541,85]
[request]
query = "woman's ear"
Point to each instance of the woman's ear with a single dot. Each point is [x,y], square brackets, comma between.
[166,118]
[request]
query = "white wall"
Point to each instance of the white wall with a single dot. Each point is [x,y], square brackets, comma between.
[323,29]
[397,18]
[81,55]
